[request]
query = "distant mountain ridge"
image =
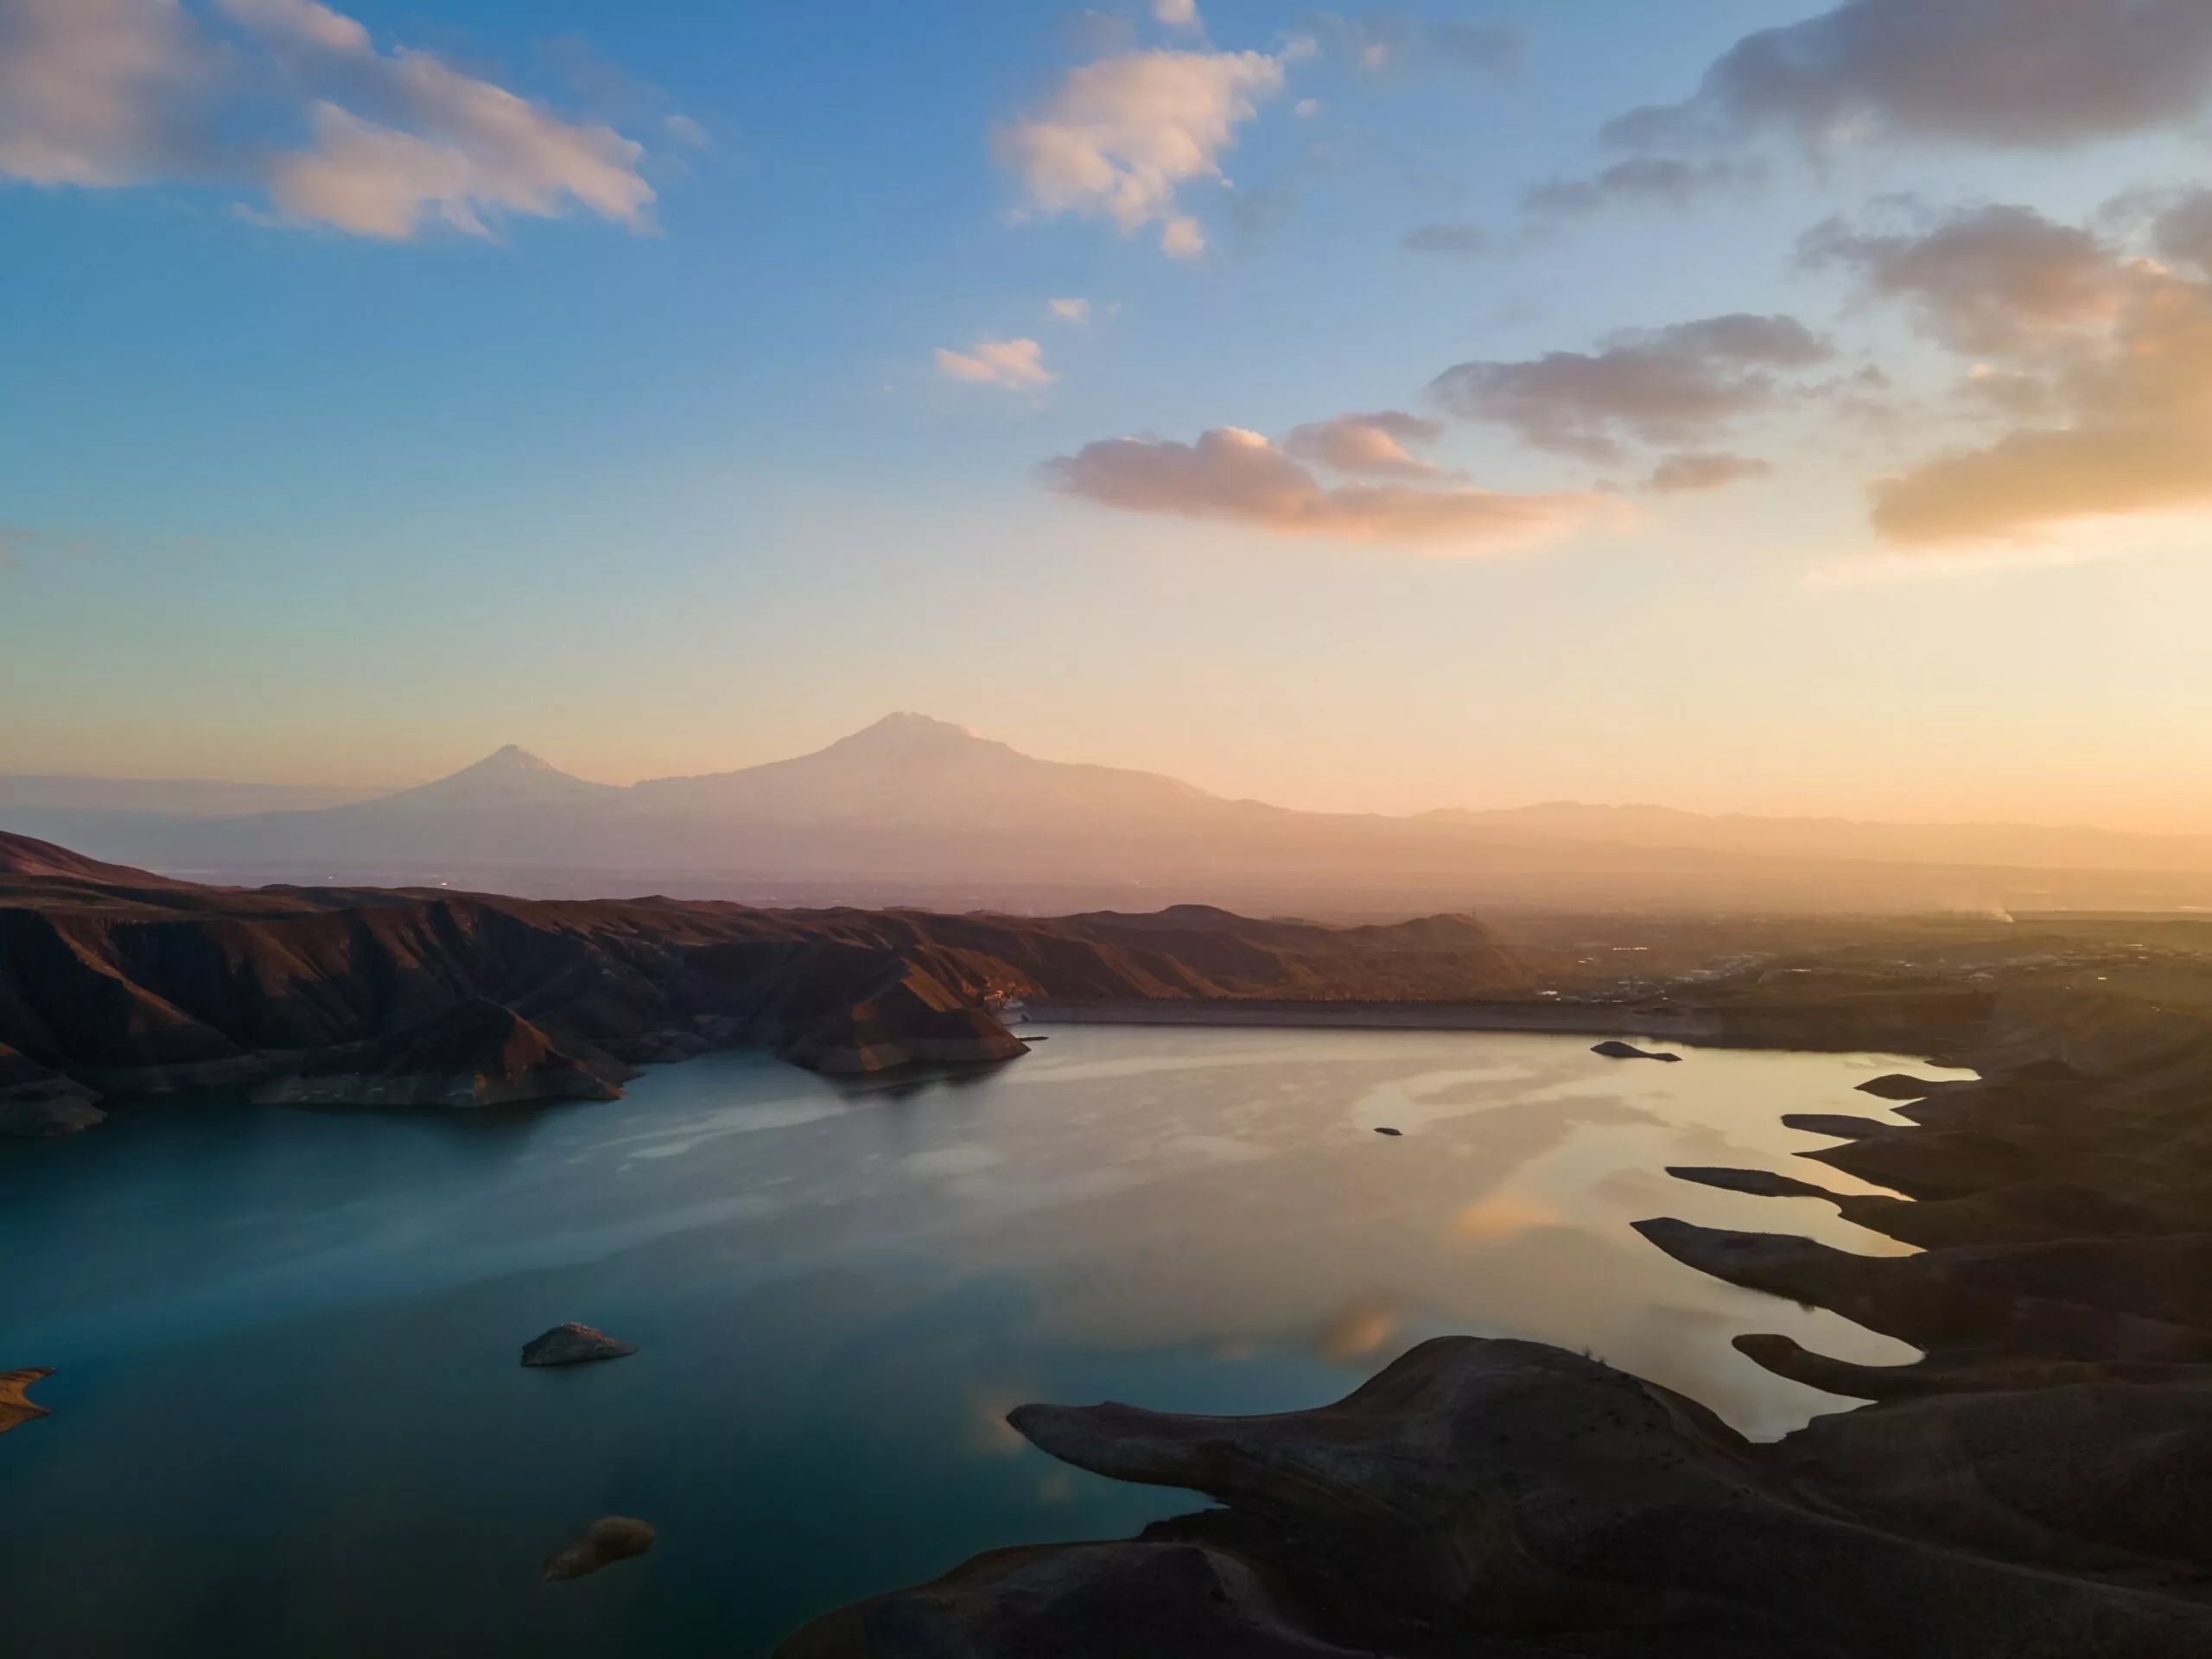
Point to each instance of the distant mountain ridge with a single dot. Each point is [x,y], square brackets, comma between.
[912,796]
[2028,846]
[510,777]
[176,798]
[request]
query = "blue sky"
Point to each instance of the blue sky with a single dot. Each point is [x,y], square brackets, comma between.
[295,490]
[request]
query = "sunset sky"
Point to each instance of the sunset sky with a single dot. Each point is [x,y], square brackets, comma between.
[1739,404]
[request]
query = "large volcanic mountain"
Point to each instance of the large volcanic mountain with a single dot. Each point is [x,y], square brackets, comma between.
[909,793]
[915,806]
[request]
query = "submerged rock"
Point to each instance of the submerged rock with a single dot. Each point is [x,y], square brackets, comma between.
[47,1117]
[1614,1049]
[612,1538]
[15,1405]
[574,1344]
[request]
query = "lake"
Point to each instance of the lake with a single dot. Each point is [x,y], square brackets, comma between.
[290,1418]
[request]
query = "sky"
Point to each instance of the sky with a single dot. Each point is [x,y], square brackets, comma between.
[1746,405]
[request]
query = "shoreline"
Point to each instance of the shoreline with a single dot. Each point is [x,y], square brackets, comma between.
[1576,1019]
[2024,1489]
[1937,1030]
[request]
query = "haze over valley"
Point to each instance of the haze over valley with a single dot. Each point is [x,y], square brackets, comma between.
[917,809]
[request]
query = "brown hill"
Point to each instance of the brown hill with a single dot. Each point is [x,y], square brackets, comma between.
[25,860]
[136,985]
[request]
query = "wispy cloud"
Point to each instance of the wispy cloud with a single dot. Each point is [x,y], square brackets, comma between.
[1238,476]
[1658,181]
[1013,364]
[1373,445]
[108,93]
[2100,357]
[101,93]
[1668,386]
[2029,74]
[1123,135]
[1682,475]
[1389,41]
[1462,240]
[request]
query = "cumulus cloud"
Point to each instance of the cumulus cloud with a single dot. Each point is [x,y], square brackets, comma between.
[1373,445]
[1121,134]
[1015,364]
[2015,72]
[1070,311]
[111,92]
[1182,237]
[2184,233]
[1238,476]
[102,93]
[459,148]
[302,20]
[2100,357]
[1679,474]
[1663,180]
[1674,385]
[1461,239]
[1178,14]
[1993,280]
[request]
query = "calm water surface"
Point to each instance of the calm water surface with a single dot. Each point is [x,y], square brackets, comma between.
[290,1418]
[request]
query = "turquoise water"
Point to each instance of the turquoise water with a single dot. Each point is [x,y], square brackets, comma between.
[289,1419]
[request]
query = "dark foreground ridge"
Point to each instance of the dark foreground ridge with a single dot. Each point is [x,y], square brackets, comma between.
[2037,1486]
[114,982]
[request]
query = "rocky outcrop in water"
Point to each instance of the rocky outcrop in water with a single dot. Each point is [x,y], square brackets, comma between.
[1613,1049]
[2032,1488]
[611,1539]
[574,1344]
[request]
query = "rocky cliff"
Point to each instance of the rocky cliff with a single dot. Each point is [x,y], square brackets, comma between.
[116,982]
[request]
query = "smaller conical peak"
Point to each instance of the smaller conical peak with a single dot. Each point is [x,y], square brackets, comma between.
[512,774]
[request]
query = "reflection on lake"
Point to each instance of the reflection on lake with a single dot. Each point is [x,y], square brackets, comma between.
[290,1418]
